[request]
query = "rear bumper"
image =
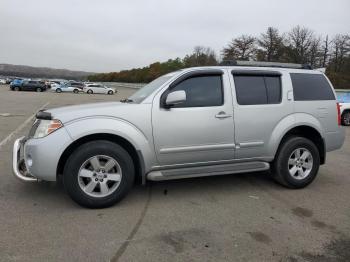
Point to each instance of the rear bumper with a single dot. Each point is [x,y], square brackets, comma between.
[335,140]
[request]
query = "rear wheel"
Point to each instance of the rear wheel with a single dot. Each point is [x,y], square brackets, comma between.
[39,89]
[16,88]
[110,92]
[58,90]
[99,174]
[296,163]
[345,118]
[75,91]
[90,91]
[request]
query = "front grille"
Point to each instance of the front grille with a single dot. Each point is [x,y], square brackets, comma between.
[34,128]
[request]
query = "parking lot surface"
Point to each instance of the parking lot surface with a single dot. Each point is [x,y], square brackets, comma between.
[244,217]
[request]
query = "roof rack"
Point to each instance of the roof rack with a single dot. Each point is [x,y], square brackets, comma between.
[264,64]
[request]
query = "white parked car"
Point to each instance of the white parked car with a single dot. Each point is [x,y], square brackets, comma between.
[2,81]
[98,89]
[64,88]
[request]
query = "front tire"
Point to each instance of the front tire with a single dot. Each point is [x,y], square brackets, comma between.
[58,90]
[99,174]
[110,92]
[345,118]
[75,91]
[297,162]
[90,92]
[39,89]
[16,88]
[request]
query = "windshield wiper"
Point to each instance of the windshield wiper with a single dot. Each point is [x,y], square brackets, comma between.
[126,100]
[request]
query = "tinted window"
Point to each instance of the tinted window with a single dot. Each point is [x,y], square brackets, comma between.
[201,91]
[273,88]
[250,90]
[257,90]
[311,87]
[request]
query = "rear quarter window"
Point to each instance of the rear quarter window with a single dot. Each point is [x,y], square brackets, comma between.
[309,87]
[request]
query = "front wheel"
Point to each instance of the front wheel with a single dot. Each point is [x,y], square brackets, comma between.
[99,174]
[90,91]
[296,163]
[75,91]
[39,89]
[110,92]
[345,118]
[58,90]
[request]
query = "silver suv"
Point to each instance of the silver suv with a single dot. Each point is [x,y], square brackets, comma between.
[190,123]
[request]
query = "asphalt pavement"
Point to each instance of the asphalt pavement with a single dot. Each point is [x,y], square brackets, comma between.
[240,217]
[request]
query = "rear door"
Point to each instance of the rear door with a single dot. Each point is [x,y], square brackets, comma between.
[260,103]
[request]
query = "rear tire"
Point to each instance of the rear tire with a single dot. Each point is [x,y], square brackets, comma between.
[88,164]
[90,92]
[58,90]
[345,118]
[75,91]
[16,88]
[293,169]
[39,89]
[110,92]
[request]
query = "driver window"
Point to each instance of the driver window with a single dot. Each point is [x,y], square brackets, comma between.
[201,91]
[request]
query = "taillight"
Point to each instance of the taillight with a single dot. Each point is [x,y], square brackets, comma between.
[339,116]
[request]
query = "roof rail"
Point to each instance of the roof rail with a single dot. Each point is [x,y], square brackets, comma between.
[264,64]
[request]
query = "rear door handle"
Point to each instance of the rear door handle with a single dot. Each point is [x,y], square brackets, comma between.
[222,115]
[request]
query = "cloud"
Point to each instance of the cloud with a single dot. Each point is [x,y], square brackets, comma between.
[112,35]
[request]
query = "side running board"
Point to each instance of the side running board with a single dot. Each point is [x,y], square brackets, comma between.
[212,170]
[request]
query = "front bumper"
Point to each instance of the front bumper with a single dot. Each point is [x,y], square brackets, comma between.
[18,164]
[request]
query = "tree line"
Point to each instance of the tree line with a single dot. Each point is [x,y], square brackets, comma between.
[300,45]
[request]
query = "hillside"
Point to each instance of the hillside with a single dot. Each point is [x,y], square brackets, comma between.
[41,72]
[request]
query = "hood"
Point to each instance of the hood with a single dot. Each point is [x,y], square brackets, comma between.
[69,113]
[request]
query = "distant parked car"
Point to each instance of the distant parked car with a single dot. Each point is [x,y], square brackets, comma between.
[98,89]
[78,85]
[29,85]
[16,83]
[2,81]
[66,87]
[344,102]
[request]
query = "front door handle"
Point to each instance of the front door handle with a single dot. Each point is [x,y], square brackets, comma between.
[222,115]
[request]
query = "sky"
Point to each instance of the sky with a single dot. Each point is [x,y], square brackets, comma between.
[112,35]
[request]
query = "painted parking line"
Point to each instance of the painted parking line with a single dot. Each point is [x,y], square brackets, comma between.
[19,128]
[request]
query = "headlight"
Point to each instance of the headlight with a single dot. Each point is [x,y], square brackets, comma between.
[46,127]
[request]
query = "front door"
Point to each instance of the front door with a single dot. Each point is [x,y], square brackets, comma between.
[201,129]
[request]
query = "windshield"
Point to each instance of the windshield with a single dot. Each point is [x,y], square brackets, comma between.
[148,89]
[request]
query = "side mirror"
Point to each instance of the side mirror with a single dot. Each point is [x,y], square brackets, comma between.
[175,98]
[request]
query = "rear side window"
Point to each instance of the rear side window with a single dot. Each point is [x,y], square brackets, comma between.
[201,91]
[308,87]
[257,90]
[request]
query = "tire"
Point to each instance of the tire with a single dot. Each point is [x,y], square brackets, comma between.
[82,158]
[90,92]
[286,163]
[58,90]
[38,89]
[75,91]
[16,88]
[110,92]
[345,118]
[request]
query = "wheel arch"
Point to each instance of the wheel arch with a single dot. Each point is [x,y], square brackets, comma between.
[135,154]
[310,133]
